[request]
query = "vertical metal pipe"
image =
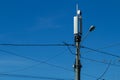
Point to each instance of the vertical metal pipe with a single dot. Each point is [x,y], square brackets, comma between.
[77,70]
[78,35]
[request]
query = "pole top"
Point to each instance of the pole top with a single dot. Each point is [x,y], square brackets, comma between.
[77,10]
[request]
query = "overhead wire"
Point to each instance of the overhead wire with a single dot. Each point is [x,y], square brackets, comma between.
[99,51]
[104,71]
[111,45]
[93,60]
[36,44]
[30,76]
[69,48]
[44,61]
[88,75]
[109,64]
[61,45]
[35,60]
[108,46]
[5,74]
[26,68]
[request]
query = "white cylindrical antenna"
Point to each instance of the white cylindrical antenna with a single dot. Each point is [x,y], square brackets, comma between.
[76,20]
[76,29]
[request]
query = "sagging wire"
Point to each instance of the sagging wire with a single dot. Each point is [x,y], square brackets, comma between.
[105,71]
[30,76]
[35,60]
[96,50]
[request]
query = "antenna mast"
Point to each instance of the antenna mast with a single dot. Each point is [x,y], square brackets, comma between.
[77,39]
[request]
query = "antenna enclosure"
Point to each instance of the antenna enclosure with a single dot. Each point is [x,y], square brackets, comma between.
[76,29]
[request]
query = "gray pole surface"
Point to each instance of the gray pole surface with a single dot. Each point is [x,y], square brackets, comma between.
[77,64]
[78,39]
[78,36]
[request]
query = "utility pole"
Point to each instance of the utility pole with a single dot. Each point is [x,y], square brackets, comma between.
[77,39]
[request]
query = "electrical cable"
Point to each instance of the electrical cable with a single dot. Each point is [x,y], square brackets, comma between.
[35,60]
[93,60]
[69,48]
[38,62]
[56,45]
[106,53]
[88,75]
[36,45]
[26,68]
[99,62]
[65,44]
[30,76]
[91,76]
[104,71]
[112,45]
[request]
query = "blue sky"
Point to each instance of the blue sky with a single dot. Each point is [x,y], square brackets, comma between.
[51,21]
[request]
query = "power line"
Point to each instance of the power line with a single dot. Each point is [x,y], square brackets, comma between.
[104,71]
[88,75]
[93,60]
[36,44]
[30,76]
[38,62]
[39,77]
[91,76]
[26,68]
[106,53]
[112,45]
[65,44]
[44,61]
[69,48]
[35,60]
